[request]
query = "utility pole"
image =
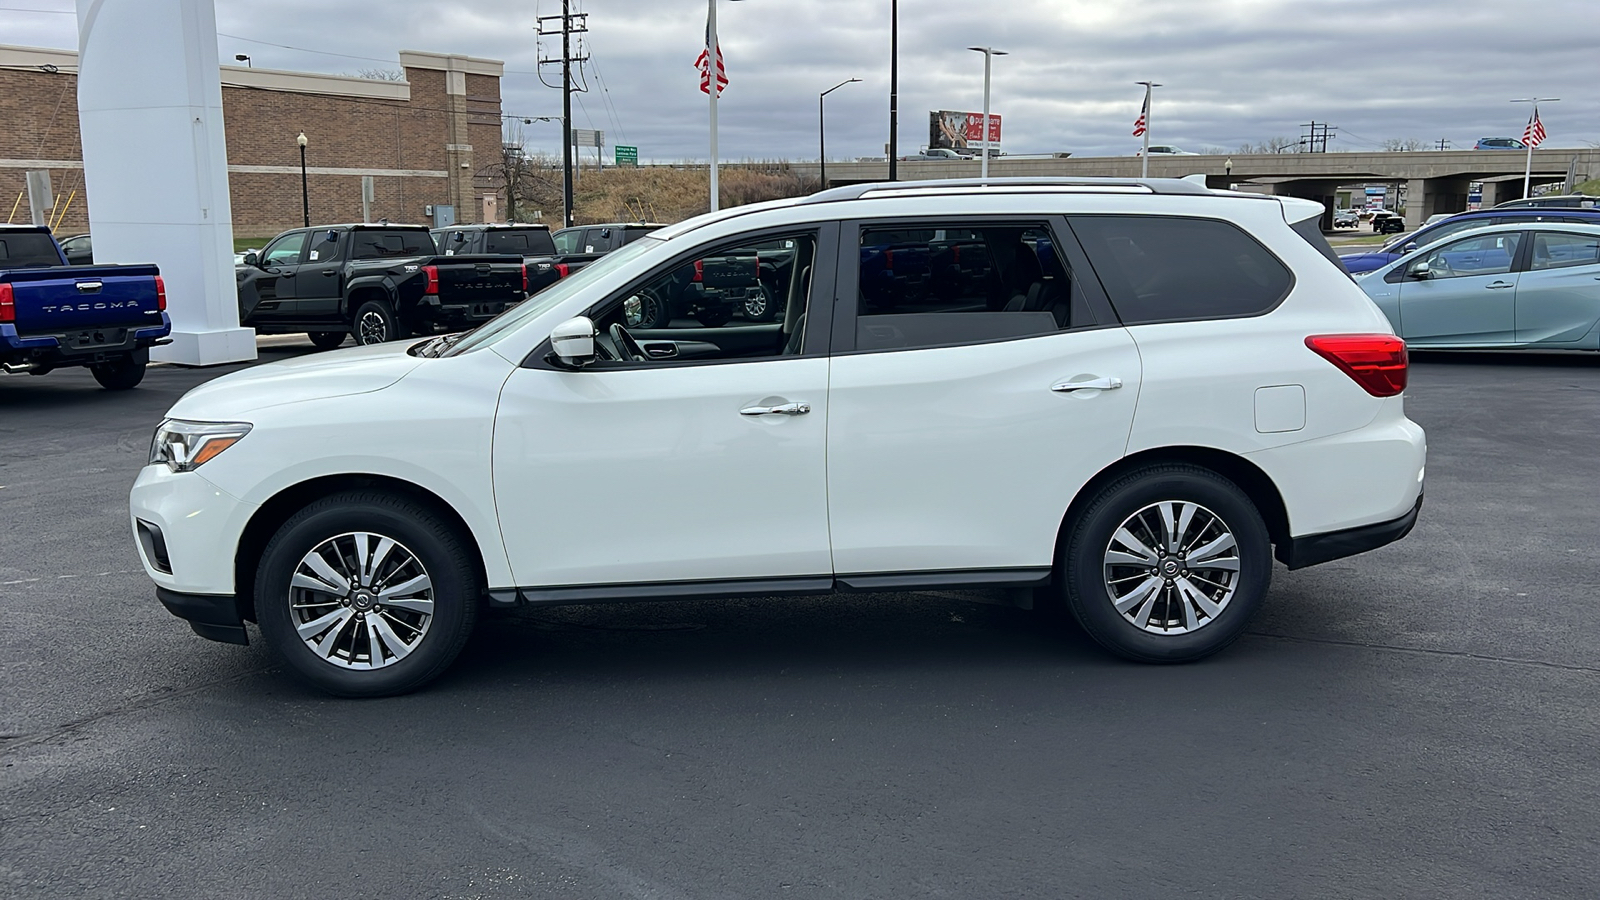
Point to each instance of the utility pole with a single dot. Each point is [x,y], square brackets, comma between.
[1317,140]
[570,25]
[894,86]
[1444,144]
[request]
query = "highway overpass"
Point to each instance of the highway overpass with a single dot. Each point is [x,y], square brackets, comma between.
[1436,181]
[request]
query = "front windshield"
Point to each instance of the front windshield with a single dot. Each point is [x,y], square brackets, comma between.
[543,301]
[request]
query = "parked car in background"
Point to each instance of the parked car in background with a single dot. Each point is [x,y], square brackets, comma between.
[78,249]
[1556,201]
[581,245]
[532,242]
[1189,389]
[1516,286]
[1357,263]
[56,316]
[1346,218]
[375,282]
[1166,150]
[1386,221]
[1436,218]
[1499,143]
[928,153]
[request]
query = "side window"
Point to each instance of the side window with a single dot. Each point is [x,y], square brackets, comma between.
[1487,254]
[959,283]
[739,301]
[285,251]
[597,240]
[1554,250]
[324,247]
[567,240]
[1169,269]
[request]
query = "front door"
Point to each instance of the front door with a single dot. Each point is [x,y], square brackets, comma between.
[1558,297]
[688,453]
[1465,295]
[984,389]
[270,289]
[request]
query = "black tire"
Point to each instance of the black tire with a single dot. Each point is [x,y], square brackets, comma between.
[714,317]
[444,557]
[326,340]
[375,323]
[119,374]
[1088,540]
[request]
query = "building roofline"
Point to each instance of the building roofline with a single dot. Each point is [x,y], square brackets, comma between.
[451,62]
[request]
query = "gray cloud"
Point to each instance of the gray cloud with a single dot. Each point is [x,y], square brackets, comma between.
[1235,70]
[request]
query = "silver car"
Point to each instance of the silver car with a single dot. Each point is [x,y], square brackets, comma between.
[1524,285]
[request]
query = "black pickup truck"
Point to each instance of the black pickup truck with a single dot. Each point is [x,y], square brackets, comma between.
[375,282]
[531,242]
[55,316]
[711,290]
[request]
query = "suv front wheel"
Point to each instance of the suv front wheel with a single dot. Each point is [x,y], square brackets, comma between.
[1167,564]
[366,594]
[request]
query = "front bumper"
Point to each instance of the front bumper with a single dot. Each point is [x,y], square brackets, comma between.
[218,617]
[199,524]
[1312,549]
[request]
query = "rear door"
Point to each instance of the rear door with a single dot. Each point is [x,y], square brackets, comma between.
[319,286]
[1558,297]
[969,405]
[1465,295]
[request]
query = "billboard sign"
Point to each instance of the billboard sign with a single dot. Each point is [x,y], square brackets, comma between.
[960,130]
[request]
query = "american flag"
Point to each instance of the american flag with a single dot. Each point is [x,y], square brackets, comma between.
[1533,135]
[1144,115]
[705,69]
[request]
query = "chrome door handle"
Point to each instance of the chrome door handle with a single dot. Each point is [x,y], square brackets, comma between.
[1499,286]
[787,409]
[1097,384]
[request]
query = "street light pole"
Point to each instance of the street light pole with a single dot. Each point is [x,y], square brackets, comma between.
[305,193]
[894,87]
[989,53]
[1527,171]
[1227,171]
[822,133]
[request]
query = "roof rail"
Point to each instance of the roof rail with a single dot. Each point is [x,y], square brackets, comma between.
[1110,185]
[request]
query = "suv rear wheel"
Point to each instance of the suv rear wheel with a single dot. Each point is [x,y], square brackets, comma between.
[119,374]
[375,323]
[366,594]
[326,340]
[1167,564]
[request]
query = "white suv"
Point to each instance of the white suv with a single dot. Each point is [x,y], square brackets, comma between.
[1122,393]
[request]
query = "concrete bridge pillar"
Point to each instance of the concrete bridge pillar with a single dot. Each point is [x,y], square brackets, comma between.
[1430,196]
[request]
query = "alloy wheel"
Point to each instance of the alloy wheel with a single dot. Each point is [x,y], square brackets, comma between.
[361,601]
[372,328]
[1172,567]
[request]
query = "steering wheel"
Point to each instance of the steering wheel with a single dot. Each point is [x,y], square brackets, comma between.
[627,344]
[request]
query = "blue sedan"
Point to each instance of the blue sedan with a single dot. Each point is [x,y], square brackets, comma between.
[1523,286]
[1356,263]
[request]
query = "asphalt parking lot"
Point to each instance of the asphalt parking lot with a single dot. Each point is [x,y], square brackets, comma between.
[1416,722]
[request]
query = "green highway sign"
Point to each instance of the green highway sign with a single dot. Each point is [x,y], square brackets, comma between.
[627,156]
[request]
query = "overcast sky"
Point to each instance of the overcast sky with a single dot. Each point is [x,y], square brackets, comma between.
[1235,71]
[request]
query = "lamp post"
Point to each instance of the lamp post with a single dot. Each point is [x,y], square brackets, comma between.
[305,194]
[1527,172]
[989,53]
[240,57]
[1227,171]
[822,132]
[894,87]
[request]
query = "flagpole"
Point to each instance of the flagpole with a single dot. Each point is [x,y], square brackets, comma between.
[1527,169]
[1144,165]
[711,70]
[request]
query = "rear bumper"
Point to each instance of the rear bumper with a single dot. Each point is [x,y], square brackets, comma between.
[1312,549]
[216,617]
[82,347]
[463,313]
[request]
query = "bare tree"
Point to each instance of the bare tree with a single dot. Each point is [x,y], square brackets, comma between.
[1271,145]
[381,74]
[526,179]
[1404,145]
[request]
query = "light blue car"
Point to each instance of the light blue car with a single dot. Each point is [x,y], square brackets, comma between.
[1524,286]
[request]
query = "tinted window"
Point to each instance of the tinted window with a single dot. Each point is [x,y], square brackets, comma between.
[566,240]
[1557,251]
[1487,254]
[285,251]
[597,240]
[934,285]
[1450,229]
[524,243]
[1161,269]
[367,244]
[28,249]
[324,247]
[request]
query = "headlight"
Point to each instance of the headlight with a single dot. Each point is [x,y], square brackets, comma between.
[185,446]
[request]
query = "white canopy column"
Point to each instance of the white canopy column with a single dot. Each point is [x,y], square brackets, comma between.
[156,165]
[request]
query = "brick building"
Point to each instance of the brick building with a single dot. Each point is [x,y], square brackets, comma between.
[415,138]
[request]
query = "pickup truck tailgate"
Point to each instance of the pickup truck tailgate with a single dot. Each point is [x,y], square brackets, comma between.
[64,300]
[478,279]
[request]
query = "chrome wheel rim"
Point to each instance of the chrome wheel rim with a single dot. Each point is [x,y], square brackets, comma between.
[756,306]
[1172,567]
[361,601]
[372,328]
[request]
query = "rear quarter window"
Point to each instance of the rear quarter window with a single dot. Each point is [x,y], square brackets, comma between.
[27,250]
[1172,269]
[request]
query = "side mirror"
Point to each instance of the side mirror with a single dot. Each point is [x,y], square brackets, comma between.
[572,341]
[1420,270]
[1409,247]
[252,259]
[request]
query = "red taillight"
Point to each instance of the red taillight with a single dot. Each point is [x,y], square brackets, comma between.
[888,259]
[562,270]
[524,279]
[8,304]
[432,272]
[699,269]
[1377,362]
[161,292]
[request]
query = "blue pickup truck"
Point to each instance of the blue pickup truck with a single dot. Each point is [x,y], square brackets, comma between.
[55,316]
